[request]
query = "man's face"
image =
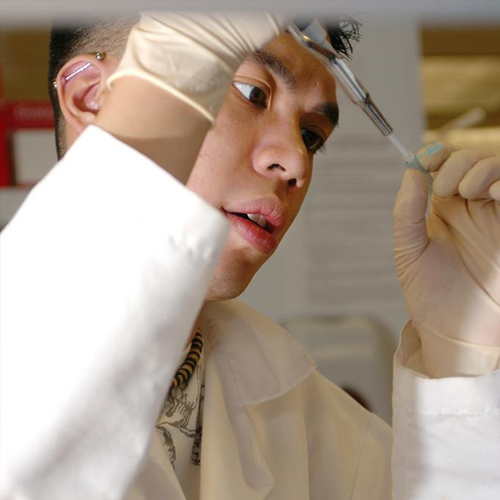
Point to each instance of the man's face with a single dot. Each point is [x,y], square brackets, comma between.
[258,157]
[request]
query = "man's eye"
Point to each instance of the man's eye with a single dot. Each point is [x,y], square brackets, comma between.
[312,140]
[251,93]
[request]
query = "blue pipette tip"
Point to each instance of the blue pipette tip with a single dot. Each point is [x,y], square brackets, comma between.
[414,163]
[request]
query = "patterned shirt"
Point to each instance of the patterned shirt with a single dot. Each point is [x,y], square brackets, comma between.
[181,418]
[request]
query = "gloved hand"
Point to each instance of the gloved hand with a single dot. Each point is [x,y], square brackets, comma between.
[449,265]
[193,55]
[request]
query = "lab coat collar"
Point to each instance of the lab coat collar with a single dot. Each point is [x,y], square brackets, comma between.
[266,361]
[249,360]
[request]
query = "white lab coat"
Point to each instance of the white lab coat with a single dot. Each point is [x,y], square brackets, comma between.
[103,273]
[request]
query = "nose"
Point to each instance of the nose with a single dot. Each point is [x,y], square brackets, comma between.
[281,153]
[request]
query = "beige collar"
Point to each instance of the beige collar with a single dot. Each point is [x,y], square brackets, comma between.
[266,361]
[249,360]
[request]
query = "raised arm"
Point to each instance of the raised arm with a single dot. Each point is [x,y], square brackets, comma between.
[447,372]
[105,267]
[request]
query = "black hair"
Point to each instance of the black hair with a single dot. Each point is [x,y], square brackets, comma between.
[342,31]
[110,36]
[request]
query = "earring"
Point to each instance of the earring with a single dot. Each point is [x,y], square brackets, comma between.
[100,56]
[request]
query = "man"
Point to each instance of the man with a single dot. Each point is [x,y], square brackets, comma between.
[111,259]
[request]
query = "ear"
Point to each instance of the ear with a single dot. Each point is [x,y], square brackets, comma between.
[81,89]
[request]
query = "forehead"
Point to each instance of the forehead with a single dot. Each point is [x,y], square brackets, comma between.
[295,66]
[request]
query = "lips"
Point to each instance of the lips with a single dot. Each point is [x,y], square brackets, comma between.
[247,220]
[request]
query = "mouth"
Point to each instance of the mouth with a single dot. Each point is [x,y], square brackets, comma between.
[255,229]
[258,221]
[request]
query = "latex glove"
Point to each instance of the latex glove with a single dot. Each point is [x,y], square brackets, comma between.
[193,55]
[449,265]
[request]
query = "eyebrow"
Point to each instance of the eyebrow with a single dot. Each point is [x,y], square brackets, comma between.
[330,111]
[268,60]
[272,62]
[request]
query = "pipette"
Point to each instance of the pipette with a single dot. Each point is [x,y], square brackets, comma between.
[315,38]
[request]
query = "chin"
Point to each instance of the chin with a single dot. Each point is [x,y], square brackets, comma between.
[225,289]
[234,272]
[230,280]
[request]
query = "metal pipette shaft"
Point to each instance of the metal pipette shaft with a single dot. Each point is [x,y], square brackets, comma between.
[354,89]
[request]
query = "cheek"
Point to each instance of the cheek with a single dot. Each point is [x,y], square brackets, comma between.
[204,180]
[222,160]
[297,200]
[212,172]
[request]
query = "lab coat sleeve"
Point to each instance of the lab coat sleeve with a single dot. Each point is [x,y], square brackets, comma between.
[447,357]
[103,272]
[446,431]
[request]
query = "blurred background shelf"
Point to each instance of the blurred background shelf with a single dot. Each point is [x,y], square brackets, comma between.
[11,199]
